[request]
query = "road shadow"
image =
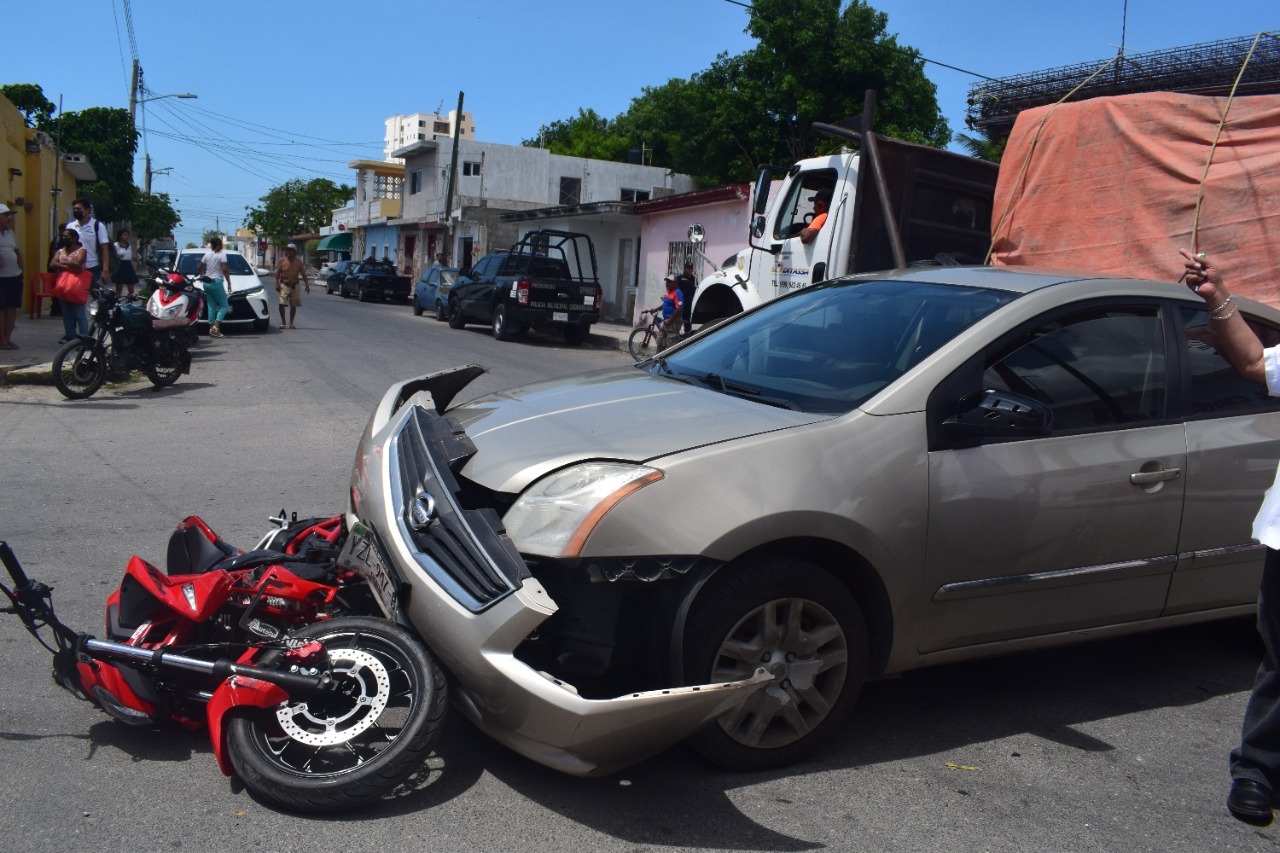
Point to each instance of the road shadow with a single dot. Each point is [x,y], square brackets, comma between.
[677,799]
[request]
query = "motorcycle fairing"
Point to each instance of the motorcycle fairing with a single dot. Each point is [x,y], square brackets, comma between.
[195,597]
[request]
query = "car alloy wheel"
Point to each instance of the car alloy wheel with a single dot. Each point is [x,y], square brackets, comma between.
[795,621]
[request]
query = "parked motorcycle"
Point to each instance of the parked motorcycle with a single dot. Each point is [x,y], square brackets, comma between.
[176,303]
[122,337]
[314,710]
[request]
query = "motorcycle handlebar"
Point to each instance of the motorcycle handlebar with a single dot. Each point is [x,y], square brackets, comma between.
[14,568]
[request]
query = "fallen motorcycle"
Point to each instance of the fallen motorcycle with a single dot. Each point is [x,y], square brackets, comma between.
[122,337]
[312,709]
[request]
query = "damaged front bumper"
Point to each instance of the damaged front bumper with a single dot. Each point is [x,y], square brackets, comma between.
[461,584]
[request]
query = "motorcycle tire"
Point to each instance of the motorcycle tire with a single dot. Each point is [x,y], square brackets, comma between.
[79,369]
[166,363]
[347,748]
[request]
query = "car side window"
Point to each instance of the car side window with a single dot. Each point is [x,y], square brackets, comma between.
[1217,390]
[1100,367]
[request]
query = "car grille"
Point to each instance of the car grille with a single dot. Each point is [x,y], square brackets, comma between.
[470,554]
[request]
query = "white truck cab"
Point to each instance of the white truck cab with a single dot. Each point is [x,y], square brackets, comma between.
[893,203]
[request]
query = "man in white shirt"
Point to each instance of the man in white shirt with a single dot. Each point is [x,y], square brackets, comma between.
[93,236]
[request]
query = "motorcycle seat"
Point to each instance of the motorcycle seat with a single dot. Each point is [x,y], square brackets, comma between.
[192,552]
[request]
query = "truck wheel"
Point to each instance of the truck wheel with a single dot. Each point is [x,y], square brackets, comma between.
[456,320]
[800,623]
[501,324]
[575,336]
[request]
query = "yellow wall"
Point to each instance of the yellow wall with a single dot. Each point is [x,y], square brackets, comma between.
[30,194]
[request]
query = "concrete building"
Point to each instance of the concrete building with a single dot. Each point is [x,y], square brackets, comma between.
[41,182]
[494,181]
[404,130]
[366,226]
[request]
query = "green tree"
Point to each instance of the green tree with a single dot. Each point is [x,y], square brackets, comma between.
[983,147]
[297,207]
[813,61]
[207,237]
[30,100]
[153,217]
[106,136]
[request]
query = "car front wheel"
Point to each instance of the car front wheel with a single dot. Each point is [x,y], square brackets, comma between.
[417,307]
[797,622]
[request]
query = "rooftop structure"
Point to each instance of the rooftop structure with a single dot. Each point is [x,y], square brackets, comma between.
[1209,68]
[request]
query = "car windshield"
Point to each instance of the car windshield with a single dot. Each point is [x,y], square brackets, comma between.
[189,262]
[830,348]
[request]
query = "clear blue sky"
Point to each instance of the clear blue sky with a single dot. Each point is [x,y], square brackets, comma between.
[300,89]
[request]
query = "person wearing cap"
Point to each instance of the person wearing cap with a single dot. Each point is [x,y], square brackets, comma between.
[10,278]
[688,286]
[821,201]
[289,271]
[671,314]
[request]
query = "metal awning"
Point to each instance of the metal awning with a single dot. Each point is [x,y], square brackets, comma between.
[340,242]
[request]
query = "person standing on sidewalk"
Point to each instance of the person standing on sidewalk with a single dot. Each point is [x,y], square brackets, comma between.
[289,270]
[214,266]
[93,239]
[10,278]
[688,286]
[70,257]
[126,275]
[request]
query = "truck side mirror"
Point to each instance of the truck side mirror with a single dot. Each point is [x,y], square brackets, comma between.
[763,181]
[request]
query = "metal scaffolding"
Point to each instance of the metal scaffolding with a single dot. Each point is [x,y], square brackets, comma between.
[1209,68]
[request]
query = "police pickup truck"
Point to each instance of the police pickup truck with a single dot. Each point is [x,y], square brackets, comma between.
[547,280]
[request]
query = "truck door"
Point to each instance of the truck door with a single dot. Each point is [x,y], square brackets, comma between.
[804,258]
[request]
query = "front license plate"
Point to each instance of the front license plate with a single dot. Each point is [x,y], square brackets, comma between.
[560,316]
[361,555]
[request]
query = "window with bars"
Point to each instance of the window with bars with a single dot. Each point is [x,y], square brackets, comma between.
[679,253]
[570,191]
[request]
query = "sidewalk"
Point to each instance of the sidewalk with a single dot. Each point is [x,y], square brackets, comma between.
[32,364]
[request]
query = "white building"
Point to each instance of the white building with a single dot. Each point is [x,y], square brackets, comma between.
[494,179]
[404,130]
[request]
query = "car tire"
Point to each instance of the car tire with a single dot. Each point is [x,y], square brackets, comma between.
[796,620]
[456,320]
[362,294]
[417,307]
[501,324]
[441,313]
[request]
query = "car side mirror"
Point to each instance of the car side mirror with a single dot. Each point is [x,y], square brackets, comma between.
[998,414]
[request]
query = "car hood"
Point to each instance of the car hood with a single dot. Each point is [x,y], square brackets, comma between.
[622,413]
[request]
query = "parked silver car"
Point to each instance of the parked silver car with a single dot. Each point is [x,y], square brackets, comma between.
[867,476]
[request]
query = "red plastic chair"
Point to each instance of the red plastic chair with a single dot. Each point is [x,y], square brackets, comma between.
[41,289]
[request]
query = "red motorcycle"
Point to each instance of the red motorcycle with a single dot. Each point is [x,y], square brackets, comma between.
[313,709]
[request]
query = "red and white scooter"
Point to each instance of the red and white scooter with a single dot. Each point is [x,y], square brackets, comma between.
[176,303]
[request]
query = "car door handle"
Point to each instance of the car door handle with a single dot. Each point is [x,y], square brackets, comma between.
[1143,478]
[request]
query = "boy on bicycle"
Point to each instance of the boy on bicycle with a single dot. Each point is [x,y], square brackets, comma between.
[672,303]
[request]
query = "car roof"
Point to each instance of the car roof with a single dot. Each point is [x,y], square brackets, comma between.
[1026,280]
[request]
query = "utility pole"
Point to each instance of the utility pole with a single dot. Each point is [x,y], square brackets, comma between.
[133,92]
[146,186]
[453,179]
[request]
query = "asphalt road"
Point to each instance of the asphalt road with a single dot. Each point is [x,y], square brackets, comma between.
[1113,746]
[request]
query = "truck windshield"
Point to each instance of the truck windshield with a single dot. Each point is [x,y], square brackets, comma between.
[831,348]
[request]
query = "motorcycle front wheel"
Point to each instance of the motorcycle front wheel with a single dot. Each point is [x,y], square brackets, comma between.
[343,749]
[166,362]
[79,369]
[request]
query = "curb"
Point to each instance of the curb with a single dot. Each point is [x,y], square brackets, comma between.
[27,374]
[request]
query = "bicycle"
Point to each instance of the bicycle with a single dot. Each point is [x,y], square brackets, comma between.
[646,331]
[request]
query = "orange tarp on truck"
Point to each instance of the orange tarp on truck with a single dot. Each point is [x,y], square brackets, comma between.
[1110,186]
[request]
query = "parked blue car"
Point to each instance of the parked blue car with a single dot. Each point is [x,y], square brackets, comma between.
[431,293]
